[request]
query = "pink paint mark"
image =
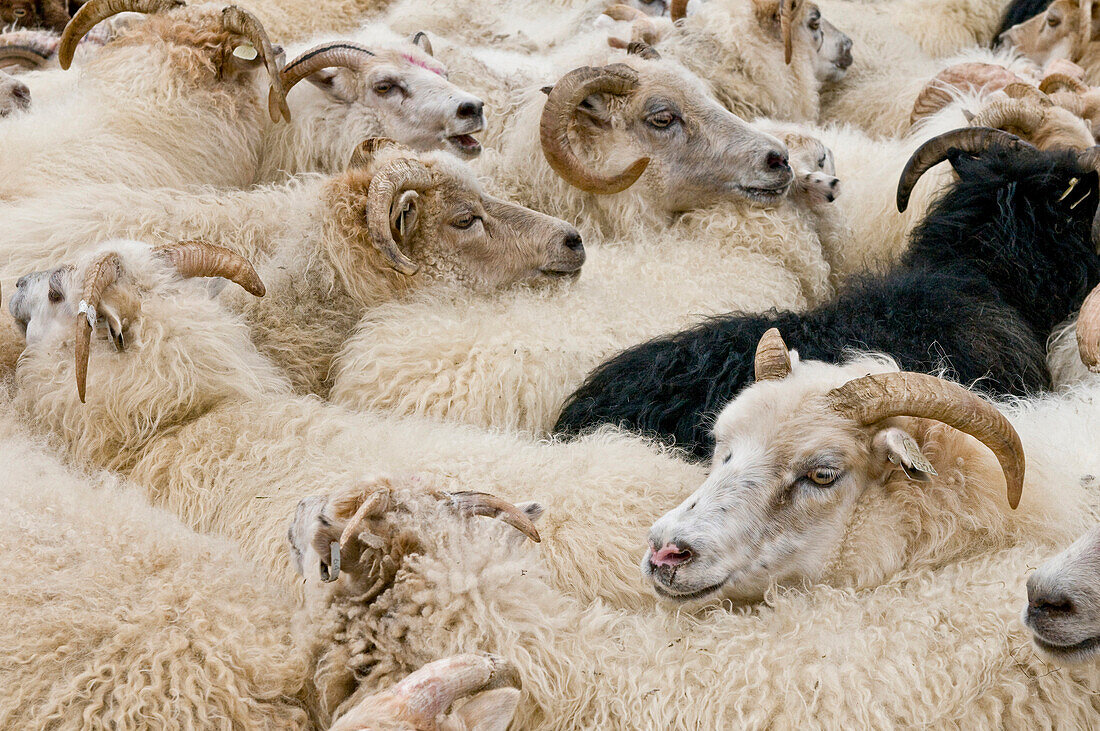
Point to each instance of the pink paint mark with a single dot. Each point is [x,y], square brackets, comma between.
[423,64]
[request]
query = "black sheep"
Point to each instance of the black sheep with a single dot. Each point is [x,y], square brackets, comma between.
[999,261]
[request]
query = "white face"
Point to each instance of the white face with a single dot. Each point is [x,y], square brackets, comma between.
[40,304]
[14,95]
[1063,611]
[832,49]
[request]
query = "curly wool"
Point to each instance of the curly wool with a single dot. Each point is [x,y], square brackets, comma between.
[114,615]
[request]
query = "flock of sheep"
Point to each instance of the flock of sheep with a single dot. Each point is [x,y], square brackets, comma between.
[310,418]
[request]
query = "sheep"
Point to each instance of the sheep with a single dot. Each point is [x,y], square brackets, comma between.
[212,136]
[1062,611]
[186,376]
[428,223]
[931,648]
[1065,30]
[14,95]
[117,616]
[968,270]
[1019,11]
[49,14]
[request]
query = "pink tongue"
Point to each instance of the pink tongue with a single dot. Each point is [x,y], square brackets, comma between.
[668,556]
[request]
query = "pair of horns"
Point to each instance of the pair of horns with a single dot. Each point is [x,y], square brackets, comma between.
[561,105]
[236,20]
[870,399]
[426,694]
[189,258]
[973,140]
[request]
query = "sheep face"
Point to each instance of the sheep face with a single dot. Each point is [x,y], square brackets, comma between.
[699,153]
[1063,610]
[801,492]
[1060,32]
[14,95]
[49,14]
[403,94]
[448,228]
[813,165]
[832,49]
[40,305]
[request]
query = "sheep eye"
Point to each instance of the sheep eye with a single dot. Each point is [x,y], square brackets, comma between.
[1053,21]
[383,87]
[54,296]
[661,120]
[823,476]
[466,221]
[815,23]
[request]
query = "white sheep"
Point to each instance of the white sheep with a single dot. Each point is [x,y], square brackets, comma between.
[14,95]
[1063,610]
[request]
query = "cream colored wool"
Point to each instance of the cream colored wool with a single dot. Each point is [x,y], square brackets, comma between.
[113,615]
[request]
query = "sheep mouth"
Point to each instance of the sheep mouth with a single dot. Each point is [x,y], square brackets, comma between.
[560,273]
[1086,646]
[687,596]
[465,145]
[763,194]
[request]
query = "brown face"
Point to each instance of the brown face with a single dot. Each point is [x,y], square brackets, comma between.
[1060,32]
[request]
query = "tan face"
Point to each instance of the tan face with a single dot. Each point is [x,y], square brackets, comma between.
[1060,32]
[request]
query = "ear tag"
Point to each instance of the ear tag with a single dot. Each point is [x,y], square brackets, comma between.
[1072,185]
[401,223]
[1086,195]
[246,52]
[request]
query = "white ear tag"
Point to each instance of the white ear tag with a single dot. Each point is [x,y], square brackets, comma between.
[913,463]
[246,52]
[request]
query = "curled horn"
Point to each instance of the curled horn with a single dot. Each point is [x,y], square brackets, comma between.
[96,11]
[200,259]
[561,104]
[1013,115]
[21,58]
[787,11]
[103,272]
[871,399]
[678,10]
[1062,82]
[327,55]
[399,175]
[773,361]
[491,506]
[936,94]
[974,140]
[246,24]
[642,49]
[1088,331]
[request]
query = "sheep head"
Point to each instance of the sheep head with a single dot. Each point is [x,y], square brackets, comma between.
[419,702]
[424,217]
[662,120]
[101,296]
[1063,31]
[47,14]
[14,95]
[1063,603]
[813,165]
[818,474]
[405,89]
[230,40]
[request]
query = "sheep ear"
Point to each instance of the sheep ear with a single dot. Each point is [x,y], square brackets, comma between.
[403,216]
[336,83]
[421,41]
[547,89]
[897,447]
[489,711]
[767,16]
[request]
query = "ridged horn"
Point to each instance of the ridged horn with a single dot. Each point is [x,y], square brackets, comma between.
[936,94]
[340,54]
[96,11]
[561,104]
[1090,158]
[871,399]
[21,58]
[103,272]
[1011,115]
[202,259]
[787,10]
[399,175]
[366,151]
[1062,82]
[491,506]
[773,360]
[1025,91]
[974,140]
[641,49]
[1088,331]
[243,23]
[678,10]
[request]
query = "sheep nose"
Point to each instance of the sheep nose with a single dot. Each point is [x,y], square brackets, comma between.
[21,281]
[845,54]
[470,110]
[1047,602]
[673,554]
[776,160]
[573,242]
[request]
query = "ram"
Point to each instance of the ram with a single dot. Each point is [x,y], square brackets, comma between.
[593,666]
[427,222]
[976,294]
